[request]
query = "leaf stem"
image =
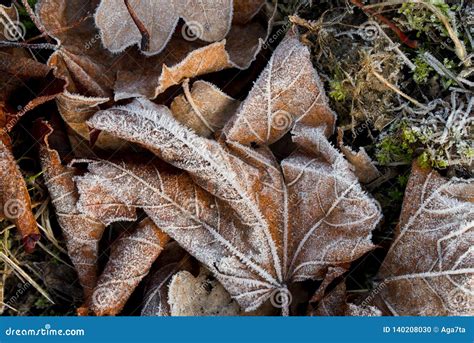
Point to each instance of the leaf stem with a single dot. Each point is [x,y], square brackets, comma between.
[145,44]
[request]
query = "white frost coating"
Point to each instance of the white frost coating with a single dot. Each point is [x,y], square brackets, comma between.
[431,260]
[131,258]
[285,223]
[209,20]
[82,233]
[287,92]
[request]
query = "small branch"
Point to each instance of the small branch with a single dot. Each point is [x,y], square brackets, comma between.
[8,44]
[403,37]
[145,44]
[34,18]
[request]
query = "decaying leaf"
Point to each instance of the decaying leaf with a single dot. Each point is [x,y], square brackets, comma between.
[301,217]
[81,233]
[15,203]
[95,75]
[150,24]
[204,109]
[287,92]
[25,84]
[364,167]
[199,296]
[130,260]
[174,291]
[428,270]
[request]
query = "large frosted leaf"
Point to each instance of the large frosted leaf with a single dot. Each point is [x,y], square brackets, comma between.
[429,268]
[264,226]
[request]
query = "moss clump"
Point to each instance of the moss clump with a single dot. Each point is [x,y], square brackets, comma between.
[420,19]
[441,138]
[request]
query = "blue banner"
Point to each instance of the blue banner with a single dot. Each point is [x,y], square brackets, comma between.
[237,329]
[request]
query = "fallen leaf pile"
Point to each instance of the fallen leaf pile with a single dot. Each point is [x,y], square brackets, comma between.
[223,222]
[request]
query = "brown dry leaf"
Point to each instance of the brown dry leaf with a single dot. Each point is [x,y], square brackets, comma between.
[81,233]
[364,167]
[15,203]
[428,270]
[267,226]
[204,108]
[208,20]
[287,92]
[335,304]
[95,75]
[130,260]
[199,296]
[173,291]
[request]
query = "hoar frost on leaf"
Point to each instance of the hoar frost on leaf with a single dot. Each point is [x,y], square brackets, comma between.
[286,93]
[428,270]
[82,233]
[130,260]
[96,76]
[265,225]
[209,20]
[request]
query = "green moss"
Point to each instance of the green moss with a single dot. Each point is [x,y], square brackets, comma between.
[422,70]
[450,65]
[403,143]
[424,160]
[392,149]
[337,90]
[422,20]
